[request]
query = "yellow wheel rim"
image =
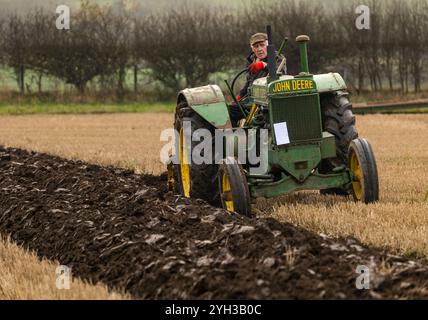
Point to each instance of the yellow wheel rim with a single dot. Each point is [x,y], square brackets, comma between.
[226,191]
[184,166]
[357,183]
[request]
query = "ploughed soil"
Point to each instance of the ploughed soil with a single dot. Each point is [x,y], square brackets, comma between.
[125,230]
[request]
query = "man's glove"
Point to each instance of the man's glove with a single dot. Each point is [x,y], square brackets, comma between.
[256,66]
[238,97]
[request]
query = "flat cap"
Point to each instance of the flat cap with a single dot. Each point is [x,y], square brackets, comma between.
[258,37]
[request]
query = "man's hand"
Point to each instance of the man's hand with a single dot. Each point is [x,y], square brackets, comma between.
[257,66]
[238,97]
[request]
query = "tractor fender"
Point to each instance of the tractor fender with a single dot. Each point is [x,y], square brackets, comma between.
[329,82]
[209,103]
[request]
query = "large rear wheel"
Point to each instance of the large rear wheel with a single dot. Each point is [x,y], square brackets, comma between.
[339,120]
[191,179]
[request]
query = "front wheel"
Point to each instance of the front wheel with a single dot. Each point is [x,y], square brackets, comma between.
[362,163]
[234,192]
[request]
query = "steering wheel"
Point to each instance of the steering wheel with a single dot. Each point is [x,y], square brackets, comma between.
[232,86]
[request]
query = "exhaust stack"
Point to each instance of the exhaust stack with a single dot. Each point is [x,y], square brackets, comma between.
[303,40]
[271,56]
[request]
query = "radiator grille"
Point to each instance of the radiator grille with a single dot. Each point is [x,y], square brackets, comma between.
[302,114]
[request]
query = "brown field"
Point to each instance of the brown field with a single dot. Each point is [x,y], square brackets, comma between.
[125,140]
[399,221]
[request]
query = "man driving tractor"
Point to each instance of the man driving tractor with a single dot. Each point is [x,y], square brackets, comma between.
[257,67]
[312,142]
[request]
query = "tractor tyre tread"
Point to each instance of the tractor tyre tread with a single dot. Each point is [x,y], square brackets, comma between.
[239,186]
[369,169]
[203,184]
[339,120]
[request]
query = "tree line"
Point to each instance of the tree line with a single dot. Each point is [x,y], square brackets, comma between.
[185,45]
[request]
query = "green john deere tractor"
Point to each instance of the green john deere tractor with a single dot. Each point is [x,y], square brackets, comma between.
[311,143]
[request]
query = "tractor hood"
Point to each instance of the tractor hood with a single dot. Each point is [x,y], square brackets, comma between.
[320,83]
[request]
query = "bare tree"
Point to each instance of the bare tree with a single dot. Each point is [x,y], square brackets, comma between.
[417,34]
[389,41]
[403,46]
[114,37]
[14,48]
[77,55]
[185,43]
[2,37]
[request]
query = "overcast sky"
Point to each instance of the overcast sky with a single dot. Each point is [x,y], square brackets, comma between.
[23,6]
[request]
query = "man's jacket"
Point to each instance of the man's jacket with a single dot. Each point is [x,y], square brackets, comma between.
[262,73]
